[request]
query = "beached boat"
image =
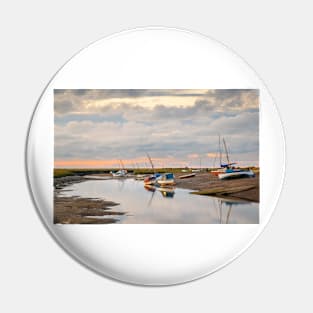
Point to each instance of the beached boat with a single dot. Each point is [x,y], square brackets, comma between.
[218,171]
[223,166]
[187,175]
[152,179]
[120,173]
[140,177]
[228,170]
[222,169]
[196,170]
[166,179]
[237,173]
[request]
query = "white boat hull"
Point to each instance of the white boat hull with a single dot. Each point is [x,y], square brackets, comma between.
[187,176]
[166,182]
[236,174]
[140,177]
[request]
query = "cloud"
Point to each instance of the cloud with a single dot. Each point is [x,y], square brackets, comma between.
[108,124]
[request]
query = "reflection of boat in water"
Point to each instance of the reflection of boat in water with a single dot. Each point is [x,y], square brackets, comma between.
[166,179]
[224,209]
[150,188]
[220,204]
[167,192]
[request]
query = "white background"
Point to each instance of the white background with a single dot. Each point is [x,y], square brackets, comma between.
[274,274]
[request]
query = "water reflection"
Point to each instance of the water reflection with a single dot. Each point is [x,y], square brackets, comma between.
[150,204]
[167,192]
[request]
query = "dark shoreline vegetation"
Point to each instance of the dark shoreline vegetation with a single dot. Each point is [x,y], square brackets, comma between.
[76,210]
[60,172]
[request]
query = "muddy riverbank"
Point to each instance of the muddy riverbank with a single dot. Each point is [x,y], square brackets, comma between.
[208,184]
[74,210]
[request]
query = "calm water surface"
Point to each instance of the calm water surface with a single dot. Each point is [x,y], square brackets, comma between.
[164,206]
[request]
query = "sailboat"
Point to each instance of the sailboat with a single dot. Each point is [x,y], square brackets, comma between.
[120,173]
[222,166]
[151,179]
[228,171]
[234,173]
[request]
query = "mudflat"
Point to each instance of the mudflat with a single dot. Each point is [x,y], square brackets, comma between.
[207,184]
[74,210]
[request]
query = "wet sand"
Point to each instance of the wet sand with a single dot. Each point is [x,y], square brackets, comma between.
[208,184]
[73,210]
[83,211]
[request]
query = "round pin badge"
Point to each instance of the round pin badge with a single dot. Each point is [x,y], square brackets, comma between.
[155,156]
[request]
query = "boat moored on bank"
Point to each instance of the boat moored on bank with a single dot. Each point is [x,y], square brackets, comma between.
[230,174]
[166,179]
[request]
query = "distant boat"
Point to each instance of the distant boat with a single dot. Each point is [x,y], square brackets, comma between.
[230,173]
[140,177]
[196,170]
[166,179]
[186,170]
[120,173]
[187,175]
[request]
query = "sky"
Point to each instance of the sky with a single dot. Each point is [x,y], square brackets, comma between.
[95,128]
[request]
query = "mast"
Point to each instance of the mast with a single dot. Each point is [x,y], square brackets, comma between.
[226,151]
[150,161]
[122,165]
[214,161]
[219,148]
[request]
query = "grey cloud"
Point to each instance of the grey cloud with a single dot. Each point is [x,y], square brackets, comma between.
[126,130]
[63,106]
[126,93]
